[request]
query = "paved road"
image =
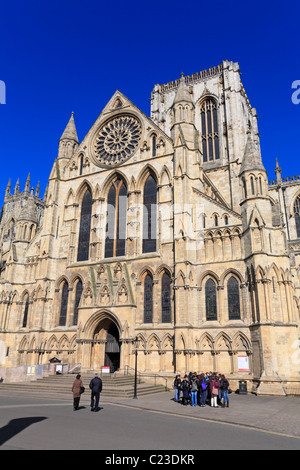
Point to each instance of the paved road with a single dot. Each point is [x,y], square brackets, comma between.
[43,424]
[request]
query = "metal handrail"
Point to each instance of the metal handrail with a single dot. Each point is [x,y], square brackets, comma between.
[143,374]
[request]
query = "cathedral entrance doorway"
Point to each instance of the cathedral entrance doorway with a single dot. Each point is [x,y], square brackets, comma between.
[106,346]
[112,348]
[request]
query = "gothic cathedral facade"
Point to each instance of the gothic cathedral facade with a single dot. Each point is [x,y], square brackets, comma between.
[161,234]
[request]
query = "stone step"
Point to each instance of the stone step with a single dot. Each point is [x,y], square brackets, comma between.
[60,385]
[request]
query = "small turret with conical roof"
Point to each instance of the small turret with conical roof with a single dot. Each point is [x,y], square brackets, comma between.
[69,140]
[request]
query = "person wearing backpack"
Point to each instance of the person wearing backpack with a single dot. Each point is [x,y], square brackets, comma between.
[185,387]
[194,390]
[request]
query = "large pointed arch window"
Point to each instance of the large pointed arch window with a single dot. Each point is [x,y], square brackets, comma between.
[115,241]
[166,298]
[211,300]
[149,215]
[64,304]
[78,294]
[26,309]
[297,215]
[148,299]
[233,295]
[85,227]
[209,130]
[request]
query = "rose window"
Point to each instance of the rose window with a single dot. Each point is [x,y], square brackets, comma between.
[117,140]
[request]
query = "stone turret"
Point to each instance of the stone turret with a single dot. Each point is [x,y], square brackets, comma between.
[68,141]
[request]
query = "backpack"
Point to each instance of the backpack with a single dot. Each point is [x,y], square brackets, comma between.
[194,387]
[203,385]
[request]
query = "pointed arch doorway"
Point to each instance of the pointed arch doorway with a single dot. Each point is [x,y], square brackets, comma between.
[106,346]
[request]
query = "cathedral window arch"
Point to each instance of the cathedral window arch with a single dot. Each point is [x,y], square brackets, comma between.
[78,294]
[209,130]
[26,310]
[81,164]
[252,185]
[153,143]
[150,215]
[297,215]
[211,300]
[85,227]
[233,298]
[64,304]
[115,234]
[166,298]
[148,298]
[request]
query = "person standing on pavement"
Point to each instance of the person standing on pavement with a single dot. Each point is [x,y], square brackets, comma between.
[177,387]
[185,387]
[76,388]
[214,391]
[224,386]
[96,389]
[203,390]
[194,389]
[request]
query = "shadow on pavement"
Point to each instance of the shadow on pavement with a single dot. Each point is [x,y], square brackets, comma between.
[15,426]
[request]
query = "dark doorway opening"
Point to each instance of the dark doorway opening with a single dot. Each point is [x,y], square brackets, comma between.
[112,348]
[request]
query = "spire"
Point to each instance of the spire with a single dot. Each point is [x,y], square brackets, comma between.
[27,185]
[17,187]
[7,191]
[251,159]
[70,132]
[37,191]
[182,93]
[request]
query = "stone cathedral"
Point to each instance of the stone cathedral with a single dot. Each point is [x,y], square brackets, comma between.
[161,235]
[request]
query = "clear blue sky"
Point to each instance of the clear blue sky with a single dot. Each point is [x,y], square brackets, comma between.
[62,56]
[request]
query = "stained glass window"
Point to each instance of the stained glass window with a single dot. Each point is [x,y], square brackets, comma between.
[115,241]
[211,300]
[85,227]
[64,305]
[25,317]
[78,294]
[148,299]
[233,299]
[209,127]
[149,215]
[166,298]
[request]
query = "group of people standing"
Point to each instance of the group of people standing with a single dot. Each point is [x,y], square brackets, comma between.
[209,387]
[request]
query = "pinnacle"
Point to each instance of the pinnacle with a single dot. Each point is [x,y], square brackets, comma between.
[70,132]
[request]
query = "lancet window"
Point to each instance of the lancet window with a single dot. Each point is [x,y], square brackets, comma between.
[115,241]
[85,227]
[209,129]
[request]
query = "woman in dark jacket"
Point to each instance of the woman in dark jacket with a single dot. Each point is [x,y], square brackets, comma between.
[185,387]
[177,387]
[224,386]
[76,387]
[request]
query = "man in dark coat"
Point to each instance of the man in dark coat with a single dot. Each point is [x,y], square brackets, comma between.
[96,388]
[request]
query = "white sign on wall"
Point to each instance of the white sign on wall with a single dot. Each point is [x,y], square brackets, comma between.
[243,363]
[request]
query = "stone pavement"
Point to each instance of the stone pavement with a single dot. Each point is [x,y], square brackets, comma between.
[270,413]
[274,414]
